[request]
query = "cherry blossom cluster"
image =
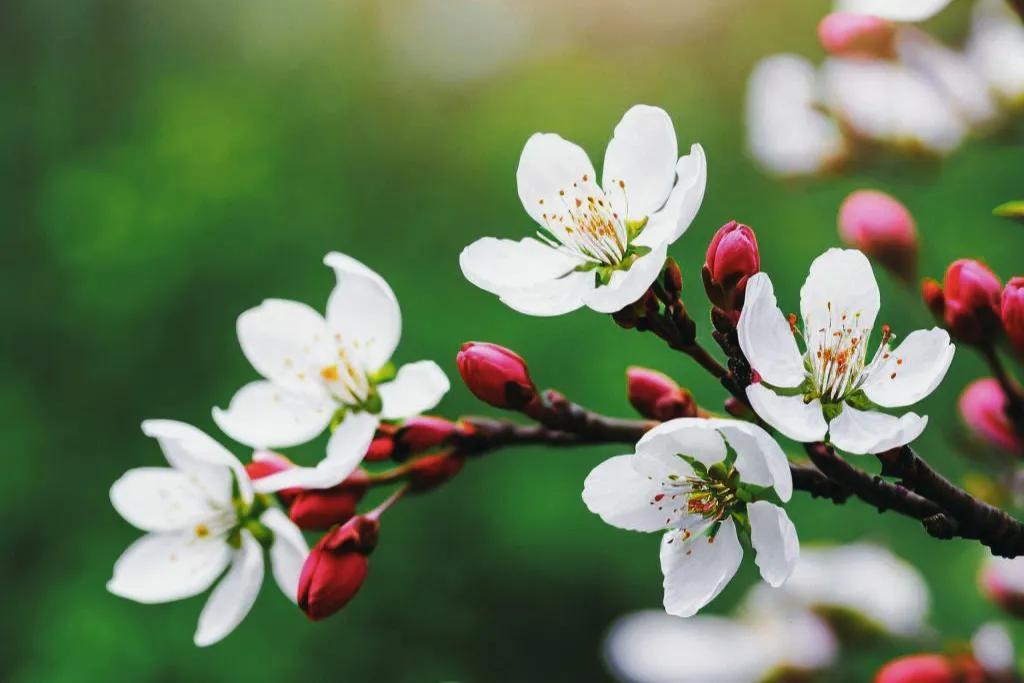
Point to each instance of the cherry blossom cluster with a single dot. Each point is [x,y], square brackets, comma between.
[885,83]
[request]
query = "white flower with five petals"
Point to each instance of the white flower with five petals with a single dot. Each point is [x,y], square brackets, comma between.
[321,372]
[201,517]
[703,482]
[831,388]
[599,245]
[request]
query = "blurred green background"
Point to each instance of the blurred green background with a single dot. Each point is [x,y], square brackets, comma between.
[167,165]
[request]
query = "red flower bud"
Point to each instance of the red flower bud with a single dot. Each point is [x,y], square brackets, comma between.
[421,434]
[496,375]
[266,463]
[656,396]
[321,508]
[1013,312]
[881,227]
[983,409]
[731,259]
[969,304]
[925,668]
[847,34]
[383,444]
[336,567]
[431,471]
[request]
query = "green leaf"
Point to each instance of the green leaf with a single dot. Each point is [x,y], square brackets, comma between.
[1014,210]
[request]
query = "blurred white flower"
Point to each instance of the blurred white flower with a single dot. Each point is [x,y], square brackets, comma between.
[993,648]
[201,517]
[894,10]
[995,47]
[598,245]
[787,130]
[831,387]
[861,578]
[691,476]
[321,372]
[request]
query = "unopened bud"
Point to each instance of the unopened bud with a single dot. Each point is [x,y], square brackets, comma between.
[1013,312]
[266,463]
[672,278]
[336,567]
[924,668]
[983,409]
[656,396]
[848,34]
[732,258]
[421,434]
[322,508]
[431,471]
[969,305]
[383,445]
[496,375]
[881,227]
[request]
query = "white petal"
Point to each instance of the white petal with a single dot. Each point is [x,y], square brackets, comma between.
[556,297]
[697,570]
[234,596]
[766,337]
[951,72]
[840,292]
[165,499]
[287,342]
[787,132]
[288,552]
[690,436]
[264,415]
[345,450]
[629,492]
[548,164]
[912,371]
[867,431]
[192,450]
[168,566]
[417,387]
[995,47]
[642,156]
[498,265]
[799,421]
[992,646]
[627,286]
[668,224]
[759,458]
[892,103]
[775,542]
[894,10]
[363,310]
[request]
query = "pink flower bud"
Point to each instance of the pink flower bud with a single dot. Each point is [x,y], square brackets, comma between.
[421,434]
[267,463]
[847,34]
[924,668]
[1013,312]
[969,302]
[431,471]
[322,508]
[731,259]
[656,396]
[336,567]
[983,409]
[383,444]
[881,227]
[496,375]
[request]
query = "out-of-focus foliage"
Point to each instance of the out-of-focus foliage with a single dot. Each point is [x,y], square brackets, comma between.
[167,165]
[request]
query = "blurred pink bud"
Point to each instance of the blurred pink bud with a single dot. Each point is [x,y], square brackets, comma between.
[1002,581]
[383,444]
[930,668]
[983,409]
[421,434]
[656,396]
[496,375]
[1013,312]
[968,301]
[732,258]
[847,34]
[431,471]
[335,569]
[881,227]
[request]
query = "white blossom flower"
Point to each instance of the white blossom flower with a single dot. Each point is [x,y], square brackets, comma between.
[995,46]
[993,649]
[598,245]
[201,517]
[787,131]
[321,372]
[894,10]
[832,388]
[860,579]
[705,483]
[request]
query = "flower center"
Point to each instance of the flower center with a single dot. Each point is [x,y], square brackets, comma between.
[709,498]
[346,380]
[835,355]
[581,221]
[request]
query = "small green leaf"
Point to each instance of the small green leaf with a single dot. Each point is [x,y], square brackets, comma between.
[1014,210]
[634,228]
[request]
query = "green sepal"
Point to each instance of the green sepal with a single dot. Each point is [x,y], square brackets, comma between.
[337,418]
[860,401]
[634,228]
[698,467]
[386,373]
[831,410]
[261,533]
